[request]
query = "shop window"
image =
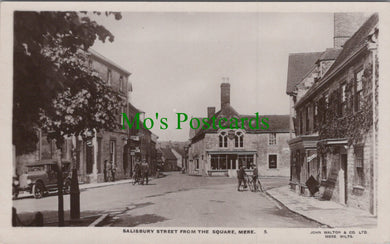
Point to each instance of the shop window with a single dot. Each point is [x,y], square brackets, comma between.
[272,139]
[359,165]
[223,139]
[239,139]
[245,160]
[358,90]
[272,161]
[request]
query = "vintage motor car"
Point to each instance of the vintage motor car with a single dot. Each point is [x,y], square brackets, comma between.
[41,178]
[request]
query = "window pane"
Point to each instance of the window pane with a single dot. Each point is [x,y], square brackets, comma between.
[272,161]
[359,83]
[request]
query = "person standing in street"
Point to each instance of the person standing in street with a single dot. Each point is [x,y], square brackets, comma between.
[113,171]
[255,176]
[109,171]
[145,171]
[241,177]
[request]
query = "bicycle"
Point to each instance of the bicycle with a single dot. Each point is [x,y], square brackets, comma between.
[136,179]
[254,187]
[249,181]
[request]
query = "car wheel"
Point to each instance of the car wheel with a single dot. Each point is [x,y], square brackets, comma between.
[38,190]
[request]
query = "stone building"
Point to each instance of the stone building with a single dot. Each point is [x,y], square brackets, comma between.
[220,151]
[169,160]
[106,145]
[334,118]
[142,142]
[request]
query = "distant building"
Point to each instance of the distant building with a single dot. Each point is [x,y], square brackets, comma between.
[142,142]
[221,151]
[179,159]
[169,160]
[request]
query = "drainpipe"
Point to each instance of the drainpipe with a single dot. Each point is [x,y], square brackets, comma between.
[372,46]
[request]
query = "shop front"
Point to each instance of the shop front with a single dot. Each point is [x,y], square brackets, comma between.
[304,163]
[226,163]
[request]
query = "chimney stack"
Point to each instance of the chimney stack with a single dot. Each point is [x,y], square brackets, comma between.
[225,93]
[345,25]
[210,111]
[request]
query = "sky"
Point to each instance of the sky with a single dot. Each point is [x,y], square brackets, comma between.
[177,60]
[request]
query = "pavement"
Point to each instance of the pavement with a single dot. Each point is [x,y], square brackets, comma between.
[324,212]
[182,200]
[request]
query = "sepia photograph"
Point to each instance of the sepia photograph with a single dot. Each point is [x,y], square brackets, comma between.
[176,122]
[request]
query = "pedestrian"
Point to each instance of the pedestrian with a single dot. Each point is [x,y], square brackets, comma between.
[241,177]
[109,171]
[145,171]
[105,170]
[255,176]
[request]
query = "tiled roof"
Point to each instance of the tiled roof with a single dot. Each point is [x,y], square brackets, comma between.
[354,44]
[330,54]
[299,64]
[168,154]
[277,123]
[226,112]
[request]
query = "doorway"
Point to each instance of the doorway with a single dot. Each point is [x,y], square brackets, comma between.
[343,179]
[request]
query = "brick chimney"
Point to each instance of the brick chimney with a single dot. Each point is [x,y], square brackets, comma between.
[345,25]
[210,111]
[225,94]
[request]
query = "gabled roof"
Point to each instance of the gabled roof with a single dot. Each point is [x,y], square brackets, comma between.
[351,47]
[354,43]
[226,111]
[299,64]
[168,154]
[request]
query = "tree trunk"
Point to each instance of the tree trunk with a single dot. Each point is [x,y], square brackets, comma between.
[60,186]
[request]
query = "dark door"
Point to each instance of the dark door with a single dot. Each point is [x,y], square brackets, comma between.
[89,159]
[344,167]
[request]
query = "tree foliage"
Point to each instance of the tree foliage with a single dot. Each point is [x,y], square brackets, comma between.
[352,125]
[54,87]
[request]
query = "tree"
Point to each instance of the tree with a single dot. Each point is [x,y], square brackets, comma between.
[54,88]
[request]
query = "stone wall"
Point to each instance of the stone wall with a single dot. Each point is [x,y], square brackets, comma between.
[252,142]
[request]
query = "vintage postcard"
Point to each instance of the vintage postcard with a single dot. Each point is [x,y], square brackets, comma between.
[194,122]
